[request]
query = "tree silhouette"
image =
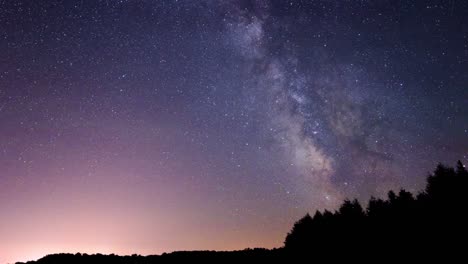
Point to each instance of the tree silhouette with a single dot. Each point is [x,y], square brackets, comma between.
[432,220]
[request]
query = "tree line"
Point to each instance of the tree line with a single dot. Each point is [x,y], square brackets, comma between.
[434,220]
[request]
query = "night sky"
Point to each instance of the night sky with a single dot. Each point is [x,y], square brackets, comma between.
[145,126]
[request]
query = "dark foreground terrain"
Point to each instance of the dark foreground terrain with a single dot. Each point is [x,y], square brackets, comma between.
[174,257]
[433,223]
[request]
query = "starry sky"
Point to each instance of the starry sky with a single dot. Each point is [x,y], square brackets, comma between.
[138,126]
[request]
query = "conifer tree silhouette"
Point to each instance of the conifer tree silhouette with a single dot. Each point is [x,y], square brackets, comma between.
[433,219]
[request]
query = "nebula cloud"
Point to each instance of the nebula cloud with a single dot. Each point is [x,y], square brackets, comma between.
[271,77]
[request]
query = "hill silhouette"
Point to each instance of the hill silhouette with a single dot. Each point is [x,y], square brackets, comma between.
[432,223]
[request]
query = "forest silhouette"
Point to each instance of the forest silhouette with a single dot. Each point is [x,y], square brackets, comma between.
[429,224]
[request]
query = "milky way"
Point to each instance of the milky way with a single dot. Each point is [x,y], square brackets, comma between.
[150,126]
